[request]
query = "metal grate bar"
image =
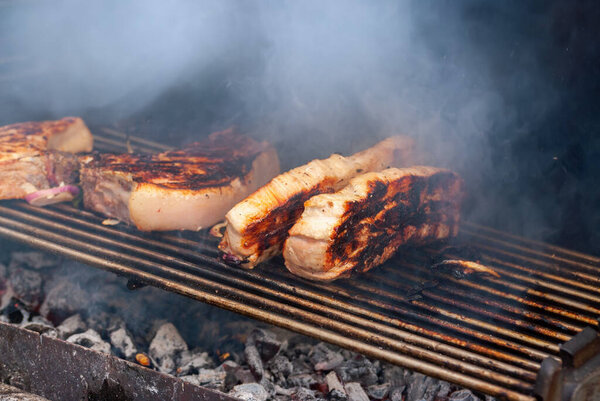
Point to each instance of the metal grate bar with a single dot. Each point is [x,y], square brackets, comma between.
[489,334]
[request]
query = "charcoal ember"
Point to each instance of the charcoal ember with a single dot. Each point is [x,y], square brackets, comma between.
[104,322]
[191,361]
[337,395]
[249,392]
[64,299]
[71,325]
[333,382]
[27,287]
[324,358]
[378,391]
[355,392]
[254,361]
[359,369]
[166,346]
[303,394]
[42,326]
[302,380]
[33,260]
[90,339]
[121,340]
[15,312]
[280,366]
[463,395]
[212,378]
[265,342]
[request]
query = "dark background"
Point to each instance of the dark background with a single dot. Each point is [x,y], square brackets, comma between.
[317,79]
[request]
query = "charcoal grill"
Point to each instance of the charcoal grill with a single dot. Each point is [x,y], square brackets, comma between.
[529,334]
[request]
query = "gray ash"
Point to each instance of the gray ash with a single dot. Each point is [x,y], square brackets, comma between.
[198,343]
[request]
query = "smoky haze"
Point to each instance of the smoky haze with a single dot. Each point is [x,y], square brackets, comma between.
[465,80]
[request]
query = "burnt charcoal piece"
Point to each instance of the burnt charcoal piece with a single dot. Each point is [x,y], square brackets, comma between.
[333,383]
[27,287]
[123,343]
[302,380]
[15,312]
[355,392]
[378,391]
[63,300]
[250,392]
[280,366]
[394,375]
[104,322]
[212,378]
[300,366]
[324,358]
[397,393]
[303,394]
[33,260]
[444,390]
[266,343]
[90,339]
[192,361]
[337,395]
[463,395]
[417,385]
[254,361]
[42,326]
[70,326]
[359,369]
[166,346]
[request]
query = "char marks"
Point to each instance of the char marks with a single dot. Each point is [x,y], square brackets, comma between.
[215,162]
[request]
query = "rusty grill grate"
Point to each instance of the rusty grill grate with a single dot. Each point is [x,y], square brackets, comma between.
[486,333]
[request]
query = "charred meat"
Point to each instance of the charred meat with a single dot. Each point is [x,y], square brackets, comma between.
[185,189]
[362,225]
[258,226]
[36,156]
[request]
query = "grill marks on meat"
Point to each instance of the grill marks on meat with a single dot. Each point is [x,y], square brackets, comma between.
[38,155]
[362,225]
[258,226]
[189,188]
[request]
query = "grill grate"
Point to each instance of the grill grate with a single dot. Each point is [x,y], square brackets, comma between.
[486,333]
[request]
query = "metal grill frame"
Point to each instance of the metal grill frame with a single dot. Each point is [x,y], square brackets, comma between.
[488,334]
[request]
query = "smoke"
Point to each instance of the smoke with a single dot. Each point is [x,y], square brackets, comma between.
[469,81]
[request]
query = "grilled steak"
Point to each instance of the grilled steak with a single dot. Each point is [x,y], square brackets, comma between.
[258,226]
[38,155]
[362,225]
[186,189]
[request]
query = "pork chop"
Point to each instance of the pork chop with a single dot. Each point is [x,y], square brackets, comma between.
[186,189]
[257,227]
[361,226]
[39,155]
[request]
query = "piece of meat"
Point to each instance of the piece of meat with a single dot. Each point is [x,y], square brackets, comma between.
[258,226]
[362,225]
[186,189]
[38,155]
